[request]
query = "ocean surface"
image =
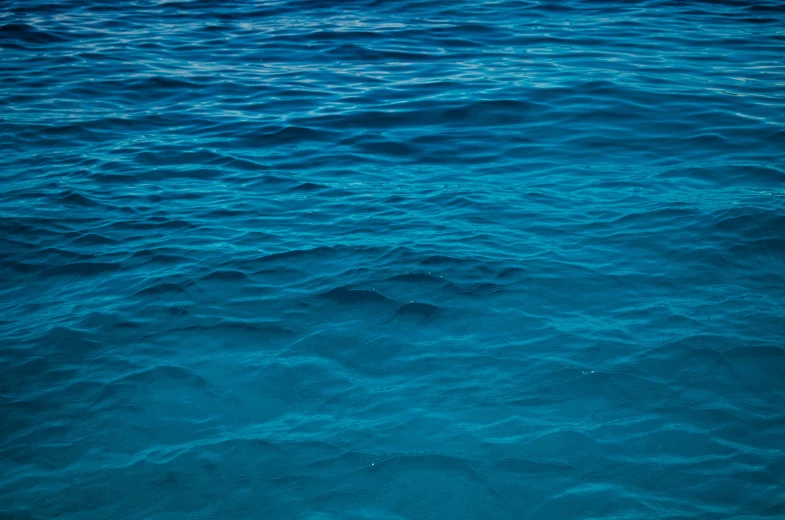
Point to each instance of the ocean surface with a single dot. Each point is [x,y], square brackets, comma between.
[299,259]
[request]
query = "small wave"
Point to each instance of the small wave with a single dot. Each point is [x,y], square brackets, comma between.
[225,275]
[355,296]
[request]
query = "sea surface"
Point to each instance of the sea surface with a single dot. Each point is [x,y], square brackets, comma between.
[300,259]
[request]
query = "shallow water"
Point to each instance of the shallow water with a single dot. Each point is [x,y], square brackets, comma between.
[304,259]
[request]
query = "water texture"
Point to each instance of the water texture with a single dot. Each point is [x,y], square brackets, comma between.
[392,259]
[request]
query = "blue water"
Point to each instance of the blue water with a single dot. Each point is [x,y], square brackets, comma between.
[392,259]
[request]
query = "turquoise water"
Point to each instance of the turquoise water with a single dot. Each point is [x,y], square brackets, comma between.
[375,259]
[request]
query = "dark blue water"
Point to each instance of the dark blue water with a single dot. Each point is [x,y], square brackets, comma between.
[392,259]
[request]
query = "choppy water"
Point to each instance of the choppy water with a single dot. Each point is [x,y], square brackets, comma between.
[411,259]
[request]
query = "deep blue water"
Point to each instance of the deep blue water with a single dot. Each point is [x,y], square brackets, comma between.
[392,259]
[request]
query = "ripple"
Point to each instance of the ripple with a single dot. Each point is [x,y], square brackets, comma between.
[355,296]
[391,259]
